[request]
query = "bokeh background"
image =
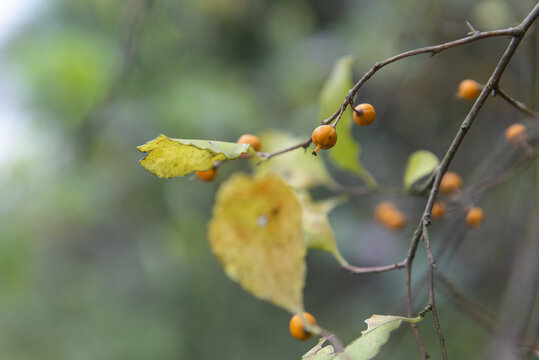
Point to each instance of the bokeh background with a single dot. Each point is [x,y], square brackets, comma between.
[99,259]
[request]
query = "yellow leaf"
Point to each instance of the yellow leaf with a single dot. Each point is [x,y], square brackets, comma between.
[256,233]
[169,157]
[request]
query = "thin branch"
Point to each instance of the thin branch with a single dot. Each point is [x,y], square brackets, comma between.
[493,81]
[517,33]
[304,145]
[477,312]
[435,49]
[519,105]
[432,267]
[468,121]
[499,179]
[471,28]
[333,340]
[470,307]
[410,309]
[374,269]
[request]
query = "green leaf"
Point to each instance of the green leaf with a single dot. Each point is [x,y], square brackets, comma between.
[345,154]
[256,233]
[169,157]
[420,164]
[377,334]
[316,228]
[299,168]
[319,353]
[368,344]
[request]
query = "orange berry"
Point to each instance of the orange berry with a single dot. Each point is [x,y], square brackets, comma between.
[207,175]
[395,220]
[438,210]
[324,137]
[383,208]
[389,215]
[252,140]
[296,326]
[516,134]
[469,89]
[451,181]
[475,217]
[364,114]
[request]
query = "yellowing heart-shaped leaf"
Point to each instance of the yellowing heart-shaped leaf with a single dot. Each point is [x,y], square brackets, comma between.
[256,233]
[167,157]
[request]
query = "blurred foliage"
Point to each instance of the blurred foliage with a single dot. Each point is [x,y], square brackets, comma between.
[101,260]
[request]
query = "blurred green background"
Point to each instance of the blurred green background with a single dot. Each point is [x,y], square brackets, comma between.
[99,259]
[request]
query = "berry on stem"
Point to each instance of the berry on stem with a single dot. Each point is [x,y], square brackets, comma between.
[469,89]
[389,215]
[438,210]
[297,329]
[207,175]
[516,134]
[324,137]
[475,217]
[364,114]
[451,181]
[250,139]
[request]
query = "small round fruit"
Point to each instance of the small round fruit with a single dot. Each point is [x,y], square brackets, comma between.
[296,326]
[516,134]
[252,140]
[382,209]
[364,114]
[324,137]
[438,210]
[469,89]
[207,175]
[387,214]
[475,217]
[395,220]
[451,181]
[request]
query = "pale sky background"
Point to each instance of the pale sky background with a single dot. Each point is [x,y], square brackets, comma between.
[15,122]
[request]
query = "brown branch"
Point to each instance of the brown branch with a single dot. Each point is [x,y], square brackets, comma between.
[519,105]
[516,33]
[519,32]
[432,267]
[434,49]
[410,309]
[477,312]
[470,307]
[467,123]
[374,269]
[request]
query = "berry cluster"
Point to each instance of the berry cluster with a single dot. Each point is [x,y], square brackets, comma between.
[325,136]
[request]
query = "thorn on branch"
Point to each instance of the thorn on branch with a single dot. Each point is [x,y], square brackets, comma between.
[473,31]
